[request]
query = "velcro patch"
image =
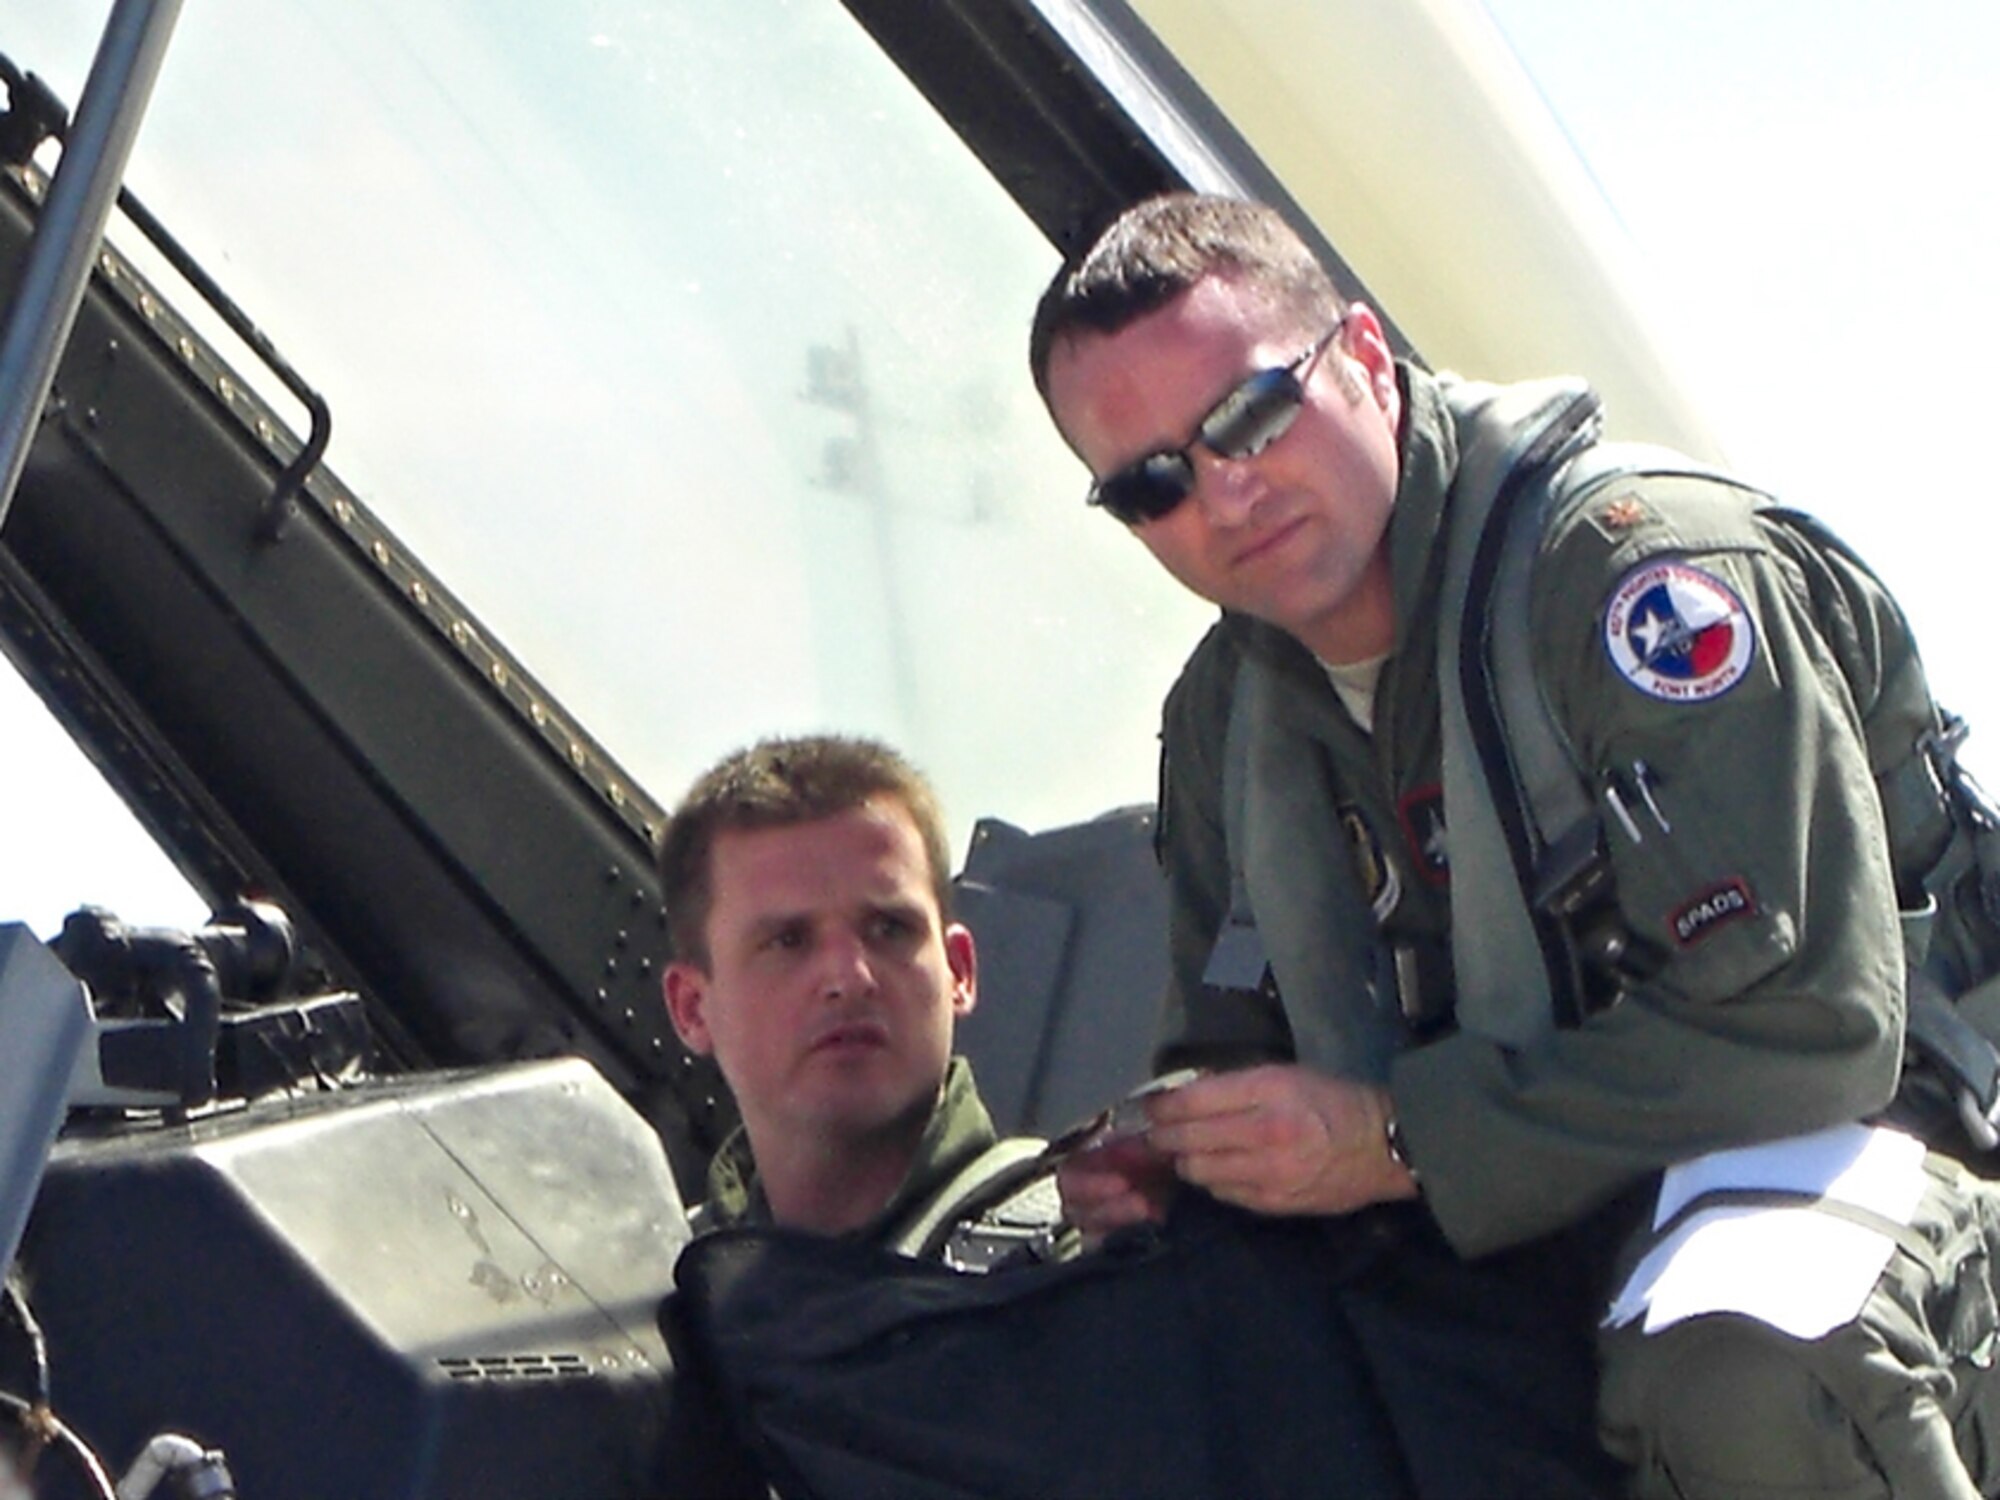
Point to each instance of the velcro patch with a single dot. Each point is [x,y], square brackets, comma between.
[1422,814]
[1715,907]
[1678,633]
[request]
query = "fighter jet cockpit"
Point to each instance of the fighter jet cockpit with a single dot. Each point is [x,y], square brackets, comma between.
[471,422]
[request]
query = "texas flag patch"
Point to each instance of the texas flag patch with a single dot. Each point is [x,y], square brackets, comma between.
[1678,633]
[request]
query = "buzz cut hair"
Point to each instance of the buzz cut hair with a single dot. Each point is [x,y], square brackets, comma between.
[780,783]
[1159,248]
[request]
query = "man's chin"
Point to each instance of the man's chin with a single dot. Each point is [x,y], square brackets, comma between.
[859,1108]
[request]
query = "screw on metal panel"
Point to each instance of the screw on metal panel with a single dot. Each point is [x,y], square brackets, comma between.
[576,756]
[499,673]
[539,714]
[460,635]
[418,592]
[343,512]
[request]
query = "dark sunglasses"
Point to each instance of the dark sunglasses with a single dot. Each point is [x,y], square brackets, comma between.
[1242,424]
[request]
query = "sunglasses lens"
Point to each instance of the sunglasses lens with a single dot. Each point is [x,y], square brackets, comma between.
[1243,423]
[1146,490]
[1254,415]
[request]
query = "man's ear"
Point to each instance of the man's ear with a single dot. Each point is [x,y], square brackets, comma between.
[963,957]
[1364,341]
[686,989]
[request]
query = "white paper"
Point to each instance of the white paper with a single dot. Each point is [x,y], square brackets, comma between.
[1803,1271]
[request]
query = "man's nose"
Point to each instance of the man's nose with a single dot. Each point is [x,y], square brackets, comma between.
[845,967]
[1227,489]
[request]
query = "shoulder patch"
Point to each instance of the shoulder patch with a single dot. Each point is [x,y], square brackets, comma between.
[1678,633]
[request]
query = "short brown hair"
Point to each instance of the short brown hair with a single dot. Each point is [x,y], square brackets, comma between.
[777,783]
[1159,248]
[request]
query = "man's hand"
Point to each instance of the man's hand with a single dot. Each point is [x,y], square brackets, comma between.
[1280,1139]
[1115,1185]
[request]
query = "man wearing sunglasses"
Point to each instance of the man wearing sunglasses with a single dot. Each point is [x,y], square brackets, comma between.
[1721,678]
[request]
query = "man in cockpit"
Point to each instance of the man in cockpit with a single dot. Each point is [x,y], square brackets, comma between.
[1745,713]
[808,896]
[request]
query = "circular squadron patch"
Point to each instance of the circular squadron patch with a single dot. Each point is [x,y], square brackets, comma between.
[1678,633]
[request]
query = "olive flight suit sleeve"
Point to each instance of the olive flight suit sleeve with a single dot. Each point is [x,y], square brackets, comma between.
[1204,1025]
[1714,680]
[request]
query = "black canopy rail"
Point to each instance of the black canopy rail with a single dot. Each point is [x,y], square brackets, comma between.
[36,115]
[402,572]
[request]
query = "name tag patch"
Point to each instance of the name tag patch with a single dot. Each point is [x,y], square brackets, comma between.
[1678,633]
[1715,907]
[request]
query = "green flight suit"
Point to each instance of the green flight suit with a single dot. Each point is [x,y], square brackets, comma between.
[1748,846]
[959,1130]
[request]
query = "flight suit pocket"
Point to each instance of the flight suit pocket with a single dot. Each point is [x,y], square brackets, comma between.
[1688,887]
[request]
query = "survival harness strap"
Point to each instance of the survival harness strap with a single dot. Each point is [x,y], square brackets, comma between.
[1002,1208]
[1497,725]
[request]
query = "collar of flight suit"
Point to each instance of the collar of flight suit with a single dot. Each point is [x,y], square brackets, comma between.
[959,1129]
